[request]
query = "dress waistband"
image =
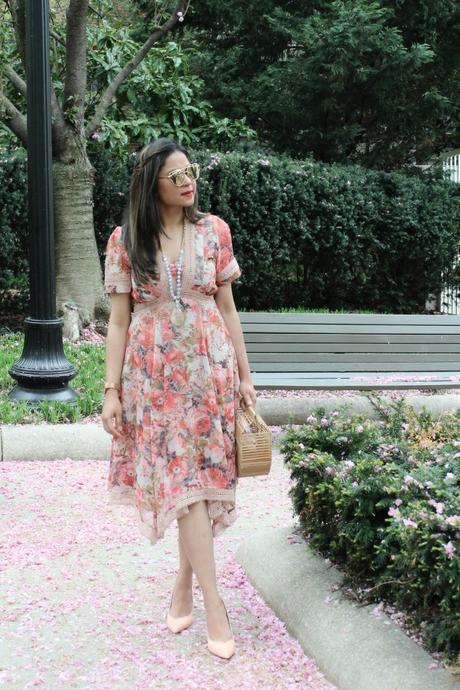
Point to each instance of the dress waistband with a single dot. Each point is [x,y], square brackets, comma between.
[160,301]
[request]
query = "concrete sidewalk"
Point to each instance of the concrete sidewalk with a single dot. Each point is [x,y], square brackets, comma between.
[84,596]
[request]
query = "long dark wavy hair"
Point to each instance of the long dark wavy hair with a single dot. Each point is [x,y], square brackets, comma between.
[142,222]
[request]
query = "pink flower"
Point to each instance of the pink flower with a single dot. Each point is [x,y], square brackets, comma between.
[324,422]
[410,523]
[330,471]
[359,429]
[453,520]
[398,502]
[439,507]
[449,549]
[394,512]
[311,419]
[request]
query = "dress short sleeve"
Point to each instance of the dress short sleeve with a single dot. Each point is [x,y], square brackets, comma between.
[117,276]
[227,268]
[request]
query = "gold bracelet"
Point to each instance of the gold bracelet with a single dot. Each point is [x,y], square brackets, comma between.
[108,385]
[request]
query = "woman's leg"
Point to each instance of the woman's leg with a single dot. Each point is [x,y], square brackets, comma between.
[197,540]
[182,599]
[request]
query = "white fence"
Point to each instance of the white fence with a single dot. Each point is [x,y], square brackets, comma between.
[450,297]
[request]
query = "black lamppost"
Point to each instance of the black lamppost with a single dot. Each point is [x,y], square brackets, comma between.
[42,371]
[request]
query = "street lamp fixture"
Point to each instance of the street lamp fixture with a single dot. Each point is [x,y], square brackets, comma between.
[42,372]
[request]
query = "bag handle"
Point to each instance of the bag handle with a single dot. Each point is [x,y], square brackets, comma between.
[250,409]
[247,407]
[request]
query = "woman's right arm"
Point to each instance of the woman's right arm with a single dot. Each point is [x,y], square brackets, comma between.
[115,347]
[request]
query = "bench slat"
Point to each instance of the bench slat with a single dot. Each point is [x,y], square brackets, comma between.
[337,382]
[337,348]
[361,357]
[345,319]
[376,329]
[354,366]
[412,375]
[346,338]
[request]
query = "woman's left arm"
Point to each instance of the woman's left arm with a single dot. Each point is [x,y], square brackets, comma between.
[226,306]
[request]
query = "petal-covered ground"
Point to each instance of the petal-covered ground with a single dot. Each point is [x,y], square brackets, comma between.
[84,595]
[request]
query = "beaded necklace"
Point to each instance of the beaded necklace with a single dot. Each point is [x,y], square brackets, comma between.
[178,313]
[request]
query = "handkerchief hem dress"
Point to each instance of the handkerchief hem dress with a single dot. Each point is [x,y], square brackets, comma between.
[179,387]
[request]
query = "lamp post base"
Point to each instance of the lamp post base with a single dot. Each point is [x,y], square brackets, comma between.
[43,372]
[30,395]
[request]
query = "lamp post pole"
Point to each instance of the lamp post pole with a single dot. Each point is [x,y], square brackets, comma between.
[42,372]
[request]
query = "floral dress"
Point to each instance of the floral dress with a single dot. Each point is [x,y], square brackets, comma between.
[179,387]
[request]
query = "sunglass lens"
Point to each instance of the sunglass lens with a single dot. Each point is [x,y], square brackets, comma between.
[194,171]
[178,179]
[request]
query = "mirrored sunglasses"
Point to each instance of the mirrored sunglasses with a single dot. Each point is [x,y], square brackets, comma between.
[179,176]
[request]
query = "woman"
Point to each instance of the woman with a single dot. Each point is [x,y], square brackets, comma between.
[176,365]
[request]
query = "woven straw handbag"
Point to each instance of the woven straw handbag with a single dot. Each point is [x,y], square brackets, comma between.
[253,443]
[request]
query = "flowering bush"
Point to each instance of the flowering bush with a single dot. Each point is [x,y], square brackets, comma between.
[382,499]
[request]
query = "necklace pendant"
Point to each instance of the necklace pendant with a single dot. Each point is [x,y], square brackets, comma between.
[178,316]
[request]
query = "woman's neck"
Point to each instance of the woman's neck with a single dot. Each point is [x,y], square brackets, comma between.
[173,219]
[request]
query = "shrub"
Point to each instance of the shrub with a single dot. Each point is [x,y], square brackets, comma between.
[14,276]
[382,499]
[316,235]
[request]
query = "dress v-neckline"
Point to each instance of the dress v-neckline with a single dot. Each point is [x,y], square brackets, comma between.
[188,261]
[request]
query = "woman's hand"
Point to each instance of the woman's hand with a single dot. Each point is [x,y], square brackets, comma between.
[248,392]
[111,411]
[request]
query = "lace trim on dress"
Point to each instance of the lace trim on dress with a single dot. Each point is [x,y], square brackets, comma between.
[232,269]
[220,504]
[117,283]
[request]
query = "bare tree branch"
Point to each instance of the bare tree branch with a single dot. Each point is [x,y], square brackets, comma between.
[16,80]
[56,37]
[109,93]
[95,11]
[11,116]
[75,77]
[13,119]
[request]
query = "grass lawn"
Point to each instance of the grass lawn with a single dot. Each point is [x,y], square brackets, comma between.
[87,358]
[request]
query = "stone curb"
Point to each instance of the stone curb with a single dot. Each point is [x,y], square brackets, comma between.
[84,441]
[354,649]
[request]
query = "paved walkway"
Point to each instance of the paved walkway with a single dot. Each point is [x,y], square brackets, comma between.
[85,595]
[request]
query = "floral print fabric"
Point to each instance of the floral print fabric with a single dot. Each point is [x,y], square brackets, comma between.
[179,387]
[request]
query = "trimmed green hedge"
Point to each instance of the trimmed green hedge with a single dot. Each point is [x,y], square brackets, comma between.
[306,234]
[382,499]
[14,274]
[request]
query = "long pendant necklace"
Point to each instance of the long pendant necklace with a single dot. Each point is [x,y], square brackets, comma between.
[178,313]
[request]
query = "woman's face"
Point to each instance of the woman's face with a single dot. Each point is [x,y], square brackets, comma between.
[168,193]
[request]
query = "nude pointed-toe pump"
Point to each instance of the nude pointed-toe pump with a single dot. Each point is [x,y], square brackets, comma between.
[177,624]
[226,649]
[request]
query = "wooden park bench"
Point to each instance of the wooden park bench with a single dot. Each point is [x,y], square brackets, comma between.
[352,351]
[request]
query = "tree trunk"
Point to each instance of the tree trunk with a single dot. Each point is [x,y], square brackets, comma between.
[78,269]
